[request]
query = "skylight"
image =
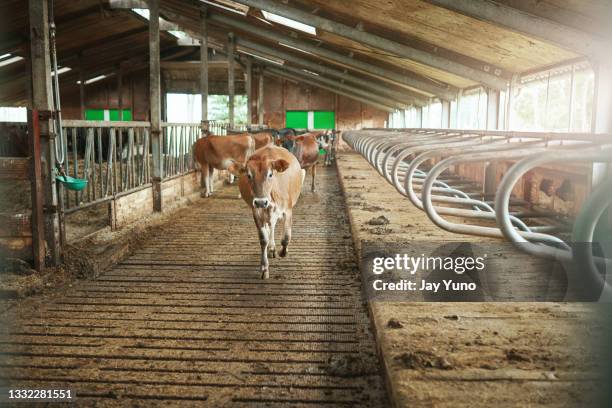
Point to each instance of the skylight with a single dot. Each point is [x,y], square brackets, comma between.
[229,6]
[310,72]
[61,70]
[295,48]
[273,61]
[144,13]
[289,23]
[95,79]
[8,59]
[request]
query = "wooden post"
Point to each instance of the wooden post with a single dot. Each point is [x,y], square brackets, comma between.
[120,91]
[44,192]
[204,68]
[419,116]
[446,114]
[230,77]
[249,94]
[155,102]
[260,97]
[490,175]
[82,86]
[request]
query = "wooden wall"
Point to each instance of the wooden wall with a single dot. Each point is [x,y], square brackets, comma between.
[281,95]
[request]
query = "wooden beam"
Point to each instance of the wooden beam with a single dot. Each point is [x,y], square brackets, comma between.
[260,97]
[231,47]
[405,97]
[204,64]
[421,85]
[42,144]
[372,40]
[248,88]
[285,75]
[155,102]
[531,25]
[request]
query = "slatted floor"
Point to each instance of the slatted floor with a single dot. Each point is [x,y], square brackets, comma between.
[186,321]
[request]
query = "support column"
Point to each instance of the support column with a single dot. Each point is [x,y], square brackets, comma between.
[446,112]
[155,101]
[602,113]
[204,67]
[230,77]
[248,85]
[493,99]
[260,97]
[45,217]
[120,91]
[419,116]
[82,86]
[490,170]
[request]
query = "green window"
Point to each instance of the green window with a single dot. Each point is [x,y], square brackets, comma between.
[107,114]
[310,119]
[296,119]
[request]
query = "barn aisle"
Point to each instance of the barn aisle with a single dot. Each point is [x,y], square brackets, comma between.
[187,319]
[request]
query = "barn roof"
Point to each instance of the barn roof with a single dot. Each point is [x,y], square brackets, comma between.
[428,48]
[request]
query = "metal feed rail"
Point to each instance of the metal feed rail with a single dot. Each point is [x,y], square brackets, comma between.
[399,156]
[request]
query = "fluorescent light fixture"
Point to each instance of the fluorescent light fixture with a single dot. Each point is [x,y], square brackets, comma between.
[61,70]
[95,79]
[274,61]
[295,48]
[8,55]
[289,23]
[178,34]
[10,60]
[229,6]
[310,72]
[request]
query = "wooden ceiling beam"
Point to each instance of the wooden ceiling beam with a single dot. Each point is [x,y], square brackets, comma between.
[534,26]
[385,44]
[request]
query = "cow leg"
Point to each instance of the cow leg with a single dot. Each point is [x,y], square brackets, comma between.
[230,178]
[273,219]
[313,188]
[211,179]
[264,234]
[205,180]
[286,233]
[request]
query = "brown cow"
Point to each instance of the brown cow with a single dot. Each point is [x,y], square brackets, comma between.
[306,149]
[270,183]
[218,152]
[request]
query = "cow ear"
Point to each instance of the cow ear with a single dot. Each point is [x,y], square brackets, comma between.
[236,168]
[280,165]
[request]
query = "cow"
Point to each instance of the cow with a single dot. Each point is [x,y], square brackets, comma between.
[218,152]
[270,182]
[306,149]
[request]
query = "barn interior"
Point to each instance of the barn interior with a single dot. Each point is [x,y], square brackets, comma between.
[133,288]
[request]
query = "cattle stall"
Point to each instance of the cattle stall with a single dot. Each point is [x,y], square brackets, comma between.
[438,172]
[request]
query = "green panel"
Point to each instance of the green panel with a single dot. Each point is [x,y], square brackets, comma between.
[296,119]
[324,120]
[94,114]
[114,114]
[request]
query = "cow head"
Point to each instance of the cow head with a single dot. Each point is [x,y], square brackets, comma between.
[260,175]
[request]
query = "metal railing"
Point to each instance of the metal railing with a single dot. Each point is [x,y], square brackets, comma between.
[112,156]
[178,140]
[417,162]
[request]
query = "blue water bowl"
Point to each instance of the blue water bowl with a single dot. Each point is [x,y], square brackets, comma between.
[72,183]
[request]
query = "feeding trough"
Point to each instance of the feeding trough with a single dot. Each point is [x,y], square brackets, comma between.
[72,183]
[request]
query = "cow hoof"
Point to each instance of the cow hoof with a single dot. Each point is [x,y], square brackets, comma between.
[204,194]
[265,274]
[283,252]
[273,253]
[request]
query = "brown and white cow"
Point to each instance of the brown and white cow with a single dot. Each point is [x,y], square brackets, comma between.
[270,183]
[218,152]
[306,149]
